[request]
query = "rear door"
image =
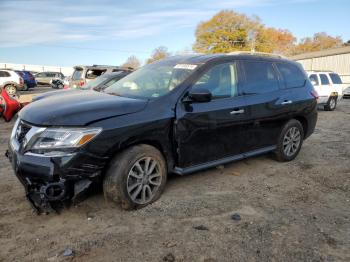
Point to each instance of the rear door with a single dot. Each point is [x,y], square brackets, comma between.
[213,130]
[267,103]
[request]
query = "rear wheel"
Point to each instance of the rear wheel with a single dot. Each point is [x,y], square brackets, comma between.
[136,177]
[11,90]
[290,141]
[332,104]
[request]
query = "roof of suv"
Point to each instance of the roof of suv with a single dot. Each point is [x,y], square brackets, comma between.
[201,59]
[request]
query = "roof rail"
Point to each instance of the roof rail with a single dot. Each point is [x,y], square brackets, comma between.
[255,53]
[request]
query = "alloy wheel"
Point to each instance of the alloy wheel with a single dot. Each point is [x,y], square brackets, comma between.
[291,141]
[144,180]
[332,103]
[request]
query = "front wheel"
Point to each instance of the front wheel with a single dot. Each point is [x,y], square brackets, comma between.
[136,177]
[290,141]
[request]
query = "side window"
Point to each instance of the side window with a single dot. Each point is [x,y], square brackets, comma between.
[324,79]
[77,74]
[314,79]
[260,77]
[220,80]
[293,77]
[335,78]
[4,74]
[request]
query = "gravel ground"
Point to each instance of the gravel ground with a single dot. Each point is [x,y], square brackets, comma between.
[296,211]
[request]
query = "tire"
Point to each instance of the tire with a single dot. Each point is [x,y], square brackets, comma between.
[331,104]
[124,176]
[11,90]
[286,138]
[25,87]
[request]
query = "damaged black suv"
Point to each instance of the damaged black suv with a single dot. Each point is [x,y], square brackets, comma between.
[180,115]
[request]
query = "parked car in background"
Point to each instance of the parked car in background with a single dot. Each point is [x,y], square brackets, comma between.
[346,93]
[84,74]
[179,115]
[11,81]
[45,78]
[105,80]
[329,87]
[99,84]
[29,79]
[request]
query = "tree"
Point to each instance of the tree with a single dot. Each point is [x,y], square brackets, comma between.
[158,54]
[133,62]
[273,40]
[319,41]
[226,31]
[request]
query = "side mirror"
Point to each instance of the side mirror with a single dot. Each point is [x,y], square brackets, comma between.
[200,95]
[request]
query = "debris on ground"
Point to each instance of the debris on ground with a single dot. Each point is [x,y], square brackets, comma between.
[169,258]
[68,252]
[201,227]
[236,217]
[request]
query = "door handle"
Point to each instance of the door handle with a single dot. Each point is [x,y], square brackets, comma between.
[287,102]
[237,112]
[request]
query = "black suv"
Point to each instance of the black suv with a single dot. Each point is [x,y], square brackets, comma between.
[180,115]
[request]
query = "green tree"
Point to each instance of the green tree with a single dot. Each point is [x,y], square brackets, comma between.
[158,54]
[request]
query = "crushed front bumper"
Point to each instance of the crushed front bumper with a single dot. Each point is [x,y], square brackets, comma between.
[53,182]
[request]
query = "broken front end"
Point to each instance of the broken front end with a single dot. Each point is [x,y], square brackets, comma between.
[52,165]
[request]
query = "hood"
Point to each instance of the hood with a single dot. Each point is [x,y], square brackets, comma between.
[54,93]
[78,108]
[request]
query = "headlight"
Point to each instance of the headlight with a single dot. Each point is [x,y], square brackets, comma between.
[63,138]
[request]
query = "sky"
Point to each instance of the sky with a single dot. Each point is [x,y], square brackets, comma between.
[68,33]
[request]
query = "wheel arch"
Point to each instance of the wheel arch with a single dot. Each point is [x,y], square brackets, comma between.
[304,123]
[163,147]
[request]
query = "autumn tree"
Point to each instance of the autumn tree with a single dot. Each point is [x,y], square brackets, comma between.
[273,40]
[226,31]
[319,41]
[133,62]
[158,54]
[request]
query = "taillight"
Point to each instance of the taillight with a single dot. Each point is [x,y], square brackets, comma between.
[314,93]
[21,81]
[82,82]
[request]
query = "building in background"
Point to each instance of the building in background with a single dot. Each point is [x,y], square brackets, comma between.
[67,71]
[336,60]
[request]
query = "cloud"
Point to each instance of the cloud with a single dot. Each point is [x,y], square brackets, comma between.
[85,20]
[55,21]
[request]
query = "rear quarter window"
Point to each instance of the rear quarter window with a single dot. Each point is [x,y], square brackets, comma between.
[335,78]
[293,77]
[93,73]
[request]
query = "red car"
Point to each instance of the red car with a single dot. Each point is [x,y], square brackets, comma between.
[9,106]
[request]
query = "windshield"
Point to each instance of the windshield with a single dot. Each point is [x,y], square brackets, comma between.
[153,80]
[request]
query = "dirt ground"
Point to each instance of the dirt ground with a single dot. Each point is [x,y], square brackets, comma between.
[296,211]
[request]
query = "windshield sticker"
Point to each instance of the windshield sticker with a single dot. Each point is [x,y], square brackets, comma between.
[185,66]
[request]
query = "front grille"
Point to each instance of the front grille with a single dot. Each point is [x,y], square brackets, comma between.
[22,131]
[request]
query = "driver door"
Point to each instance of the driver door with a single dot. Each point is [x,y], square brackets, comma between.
[210,131]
